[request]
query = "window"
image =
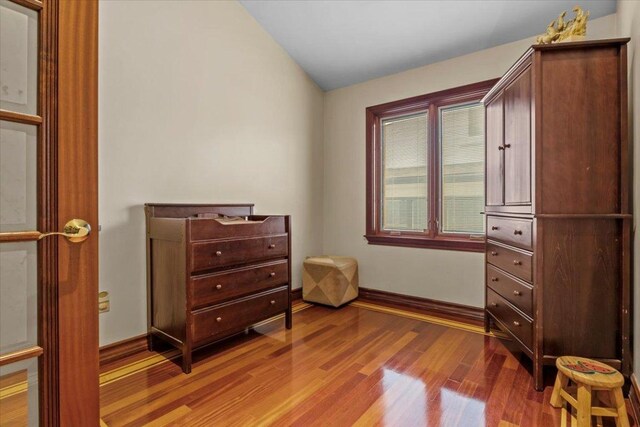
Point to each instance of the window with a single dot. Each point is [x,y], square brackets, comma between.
[425,170]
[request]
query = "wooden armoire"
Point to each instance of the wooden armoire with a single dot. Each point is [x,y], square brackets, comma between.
[558,175]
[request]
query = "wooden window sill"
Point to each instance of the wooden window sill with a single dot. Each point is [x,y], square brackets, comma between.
[446,243]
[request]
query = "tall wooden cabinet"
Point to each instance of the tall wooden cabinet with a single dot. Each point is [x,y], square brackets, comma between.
[558,205]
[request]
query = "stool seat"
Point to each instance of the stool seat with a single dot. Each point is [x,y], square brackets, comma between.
[590,372]
[595,384]
[330,280]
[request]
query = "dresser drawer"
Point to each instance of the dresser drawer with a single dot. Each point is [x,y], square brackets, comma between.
[514,231]
[207,255]
[207,229]
[511,260]
[516,292]
[220,320]
[218,287]
[516,323]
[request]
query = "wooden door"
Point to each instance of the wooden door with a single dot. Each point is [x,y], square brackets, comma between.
[48,175]
[517,141]
[495,153]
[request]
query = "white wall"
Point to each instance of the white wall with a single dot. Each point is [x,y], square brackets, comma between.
[628,24]
[437,274]
[197,104]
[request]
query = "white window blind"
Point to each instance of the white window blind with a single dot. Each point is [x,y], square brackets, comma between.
[462,168]
[404,173]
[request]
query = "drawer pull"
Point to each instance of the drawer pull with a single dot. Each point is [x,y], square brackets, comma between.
[273,302]
[516,323]
[495,227]
[494,253]
[507,145]
[218,253]
[517,293]
[500,147]
[272,246]
[218,319]
[272,274]
[493,304]
[516,262]
[517,232]
[494,279]
[218,286]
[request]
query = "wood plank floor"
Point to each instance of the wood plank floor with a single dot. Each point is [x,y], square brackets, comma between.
[353,366]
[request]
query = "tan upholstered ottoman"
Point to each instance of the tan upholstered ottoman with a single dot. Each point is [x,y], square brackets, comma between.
[330,280]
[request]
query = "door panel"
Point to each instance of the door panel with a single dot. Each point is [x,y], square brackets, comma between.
[48,175]
[19,402]
[517,139]
[18,296]
[18,176]
[18,58]
[495,153]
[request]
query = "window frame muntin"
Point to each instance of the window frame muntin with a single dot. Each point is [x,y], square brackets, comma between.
[431,103]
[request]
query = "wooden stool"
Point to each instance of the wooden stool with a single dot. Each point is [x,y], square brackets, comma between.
[588,376]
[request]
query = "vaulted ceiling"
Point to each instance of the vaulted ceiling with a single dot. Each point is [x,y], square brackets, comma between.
[339,43]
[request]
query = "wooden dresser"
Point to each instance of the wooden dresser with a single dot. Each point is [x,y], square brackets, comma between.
[557,204]
[208,279]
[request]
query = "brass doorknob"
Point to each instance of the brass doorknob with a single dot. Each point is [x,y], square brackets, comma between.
[76,231]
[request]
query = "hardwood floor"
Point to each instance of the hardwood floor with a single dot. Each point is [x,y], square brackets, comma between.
[360,365]
[353,366]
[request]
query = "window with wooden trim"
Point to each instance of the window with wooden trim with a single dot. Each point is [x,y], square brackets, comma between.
[425,170]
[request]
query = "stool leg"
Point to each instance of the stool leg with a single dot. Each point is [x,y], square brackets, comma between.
[563,414]
[561,383]
[618,401]
[584,405]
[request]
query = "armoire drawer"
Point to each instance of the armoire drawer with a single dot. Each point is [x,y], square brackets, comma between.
[513,231]
[514,291]
[214,254]
[218,287]
[220,320]
[512,261]
[516,323]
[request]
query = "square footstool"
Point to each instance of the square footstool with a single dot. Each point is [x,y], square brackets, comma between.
[330,280]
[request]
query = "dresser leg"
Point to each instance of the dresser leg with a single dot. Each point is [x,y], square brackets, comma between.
[288,318]
[487,322]
[538,377]
[150,342]
[186,361]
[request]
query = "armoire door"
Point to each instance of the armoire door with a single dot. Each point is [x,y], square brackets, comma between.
[48,176]
[495,153]
[517,141]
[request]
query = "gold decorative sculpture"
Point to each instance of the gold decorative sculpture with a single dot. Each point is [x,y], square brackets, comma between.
[559,30]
